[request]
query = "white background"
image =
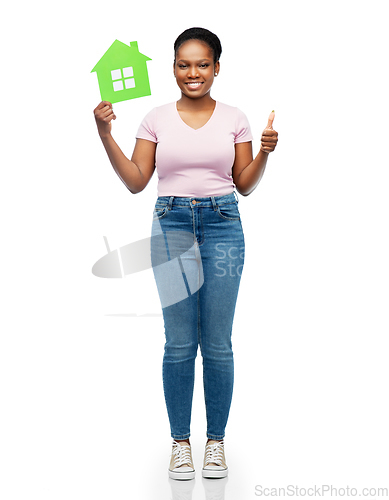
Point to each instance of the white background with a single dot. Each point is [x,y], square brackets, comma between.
[83,414]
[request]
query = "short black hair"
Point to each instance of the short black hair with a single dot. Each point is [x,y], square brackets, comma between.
[203,35]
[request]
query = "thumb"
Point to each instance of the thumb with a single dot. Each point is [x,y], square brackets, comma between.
[270,120]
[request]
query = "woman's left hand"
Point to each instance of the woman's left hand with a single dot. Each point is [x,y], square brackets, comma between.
[269,137]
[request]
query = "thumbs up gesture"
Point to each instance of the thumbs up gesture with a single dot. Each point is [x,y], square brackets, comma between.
[269,137]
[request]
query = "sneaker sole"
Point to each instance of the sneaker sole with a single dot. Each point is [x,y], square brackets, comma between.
[214,473]
[182,475]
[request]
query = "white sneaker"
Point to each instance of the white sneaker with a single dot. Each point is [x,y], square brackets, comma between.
[181,464]
[214,460]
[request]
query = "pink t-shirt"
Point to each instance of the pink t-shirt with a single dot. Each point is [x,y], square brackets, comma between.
[193,162]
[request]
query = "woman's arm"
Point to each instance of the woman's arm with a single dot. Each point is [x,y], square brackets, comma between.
[134,173]
[246,171]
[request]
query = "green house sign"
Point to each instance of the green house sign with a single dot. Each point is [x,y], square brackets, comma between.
[122,73]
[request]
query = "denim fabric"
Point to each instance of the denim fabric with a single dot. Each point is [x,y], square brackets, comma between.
[197,252]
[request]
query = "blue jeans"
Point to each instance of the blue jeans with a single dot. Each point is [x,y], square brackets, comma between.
[197,253]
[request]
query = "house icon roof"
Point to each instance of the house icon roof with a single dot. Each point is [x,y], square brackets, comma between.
[122,73]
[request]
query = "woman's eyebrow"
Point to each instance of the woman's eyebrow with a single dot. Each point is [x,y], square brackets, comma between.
[200,60]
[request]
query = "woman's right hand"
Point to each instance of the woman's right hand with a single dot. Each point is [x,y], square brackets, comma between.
[103,116]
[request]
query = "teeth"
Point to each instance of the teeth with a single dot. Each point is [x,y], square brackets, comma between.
[194,84]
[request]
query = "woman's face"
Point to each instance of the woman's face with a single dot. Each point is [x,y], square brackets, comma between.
[194,68]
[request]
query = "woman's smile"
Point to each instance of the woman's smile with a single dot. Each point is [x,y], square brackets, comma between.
[194,85]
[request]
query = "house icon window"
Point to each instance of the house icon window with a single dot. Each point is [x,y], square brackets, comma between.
[122,73]
[123,78]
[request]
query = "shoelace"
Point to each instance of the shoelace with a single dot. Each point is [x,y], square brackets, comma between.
[181,454]
[214,453]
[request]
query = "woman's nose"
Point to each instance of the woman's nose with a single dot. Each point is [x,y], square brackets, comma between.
[193,72]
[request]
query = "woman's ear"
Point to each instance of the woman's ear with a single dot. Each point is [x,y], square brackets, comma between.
[217,68]
[174,68]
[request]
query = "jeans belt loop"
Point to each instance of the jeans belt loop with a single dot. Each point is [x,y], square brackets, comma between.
[236,196]
[170,202]
[214,203]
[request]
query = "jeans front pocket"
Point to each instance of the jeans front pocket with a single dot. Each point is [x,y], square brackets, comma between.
[160,210]
[229,211]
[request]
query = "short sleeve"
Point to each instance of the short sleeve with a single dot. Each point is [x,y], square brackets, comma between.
[242,128]
[147,128]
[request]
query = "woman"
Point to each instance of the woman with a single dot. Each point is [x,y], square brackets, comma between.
[202,150]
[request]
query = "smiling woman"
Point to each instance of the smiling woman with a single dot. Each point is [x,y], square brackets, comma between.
[201,149]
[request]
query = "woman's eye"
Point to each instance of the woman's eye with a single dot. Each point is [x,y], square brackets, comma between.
[202,66]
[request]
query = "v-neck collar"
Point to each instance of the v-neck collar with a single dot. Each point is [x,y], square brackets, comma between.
[191,128]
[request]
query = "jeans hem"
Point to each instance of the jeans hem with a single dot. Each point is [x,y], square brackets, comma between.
[215,437]
[181,437]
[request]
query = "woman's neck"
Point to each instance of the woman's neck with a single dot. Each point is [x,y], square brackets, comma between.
[203,103]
